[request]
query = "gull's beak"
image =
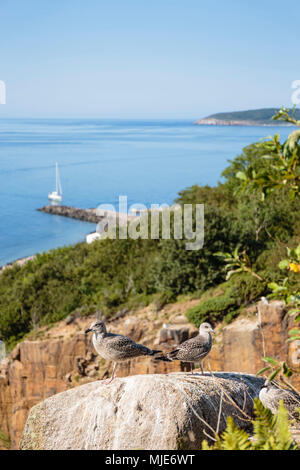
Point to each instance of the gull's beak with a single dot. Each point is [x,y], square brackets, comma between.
[213,331]
[88,330]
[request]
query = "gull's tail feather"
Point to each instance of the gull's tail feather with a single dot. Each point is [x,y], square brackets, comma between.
[163,358]
[173,354]
[155,351]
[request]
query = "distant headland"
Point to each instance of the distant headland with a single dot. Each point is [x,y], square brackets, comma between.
[253,117]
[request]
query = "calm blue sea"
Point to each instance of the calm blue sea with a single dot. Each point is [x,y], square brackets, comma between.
[149,161]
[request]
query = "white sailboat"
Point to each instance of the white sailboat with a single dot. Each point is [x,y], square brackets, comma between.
[56,195]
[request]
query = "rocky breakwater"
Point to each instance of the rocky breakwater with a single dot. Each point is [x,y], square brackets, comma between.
[174,411]
[87,215]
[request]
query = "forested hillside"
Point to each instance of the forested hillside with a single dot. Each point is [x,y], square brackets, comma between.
[243,230]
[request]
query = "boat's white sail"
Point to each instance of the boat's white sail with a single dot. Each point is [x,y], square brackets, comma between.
[57,194]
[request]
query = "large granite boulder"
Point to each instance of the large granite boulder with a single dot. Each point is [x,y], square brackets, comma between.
[174,411]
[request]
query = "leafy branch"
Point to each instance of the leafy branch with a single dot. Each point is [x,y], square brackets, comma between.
[276,367]
[237,263]
[284,162]
[286,292]
[270,432]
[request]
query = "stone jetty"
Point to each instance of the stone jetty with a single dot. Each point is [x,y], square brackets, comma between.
[93,216]
[87,215]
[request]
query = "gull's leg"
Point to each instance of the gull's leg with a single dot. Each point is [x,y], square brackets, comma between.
[115,371]
[201,368]
[114,375]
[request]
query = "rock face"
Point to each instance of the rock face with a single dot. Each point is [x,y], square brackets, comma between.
[39,369]
[150,412]
[36,370]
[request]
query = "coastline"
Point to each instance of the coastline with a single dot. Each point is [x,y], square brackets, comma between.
[28,231]
[19,262]
[85,215]
[242,123]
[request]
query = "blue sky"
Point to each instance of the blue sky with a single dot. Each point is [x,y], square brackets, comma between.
[138,59]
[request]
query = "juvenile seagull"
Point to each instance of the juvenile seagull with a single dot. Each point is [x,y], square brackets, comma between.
[116,348]
[270,396]
[192,350]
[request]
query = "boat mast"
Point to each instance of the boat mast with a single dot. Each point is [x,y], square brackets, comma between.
[56,179]
[58,183]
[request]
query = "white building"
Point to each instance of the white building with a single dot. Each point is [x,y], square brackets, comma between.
[91,237]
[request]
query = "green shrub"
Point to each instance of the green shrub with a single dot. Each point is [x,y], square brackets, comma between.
[270,432]
[240,290]
[4,440]
[211,310]
[181,271]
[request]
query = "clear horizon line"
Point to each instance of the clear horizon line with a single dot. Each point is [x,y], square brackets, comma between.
[192,120]
[146,118]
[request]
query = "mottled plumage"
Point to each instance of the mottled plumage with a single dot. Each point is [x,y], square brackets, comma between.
[194,349]
[270,396]
[115,347]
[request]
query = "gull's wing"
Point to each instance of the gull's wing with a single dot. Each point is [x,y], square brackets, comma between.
[192,348]
[290,399]
[125,348]
[198,342]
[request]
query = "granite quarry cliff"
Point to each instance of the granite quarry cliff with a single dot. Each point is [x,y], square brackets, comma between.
[60,358]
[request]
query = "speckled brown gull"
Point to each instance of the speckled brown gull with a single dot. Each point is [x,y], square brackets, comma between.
[270,396]
[116,348]
[194,349]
